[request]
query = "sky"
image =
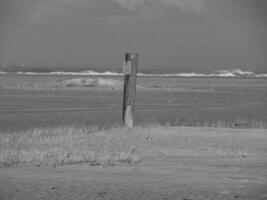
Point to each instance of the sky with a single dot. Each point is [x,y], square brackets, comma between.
[181,35]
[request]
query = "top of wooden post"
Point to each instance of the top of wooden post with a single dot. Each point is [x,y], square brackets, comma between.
[130,56]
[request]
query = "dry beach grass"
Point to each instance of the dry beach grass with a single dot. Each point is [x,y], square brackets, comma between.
[144,162]
[72,145]
[68,145]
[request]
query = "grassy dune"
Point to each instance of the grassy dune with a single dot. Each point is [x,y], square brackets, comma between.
[148,163]
[69,145]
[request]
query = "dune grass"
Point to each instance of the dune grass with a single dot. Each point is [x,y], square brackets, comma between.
[69,145]
[115,146]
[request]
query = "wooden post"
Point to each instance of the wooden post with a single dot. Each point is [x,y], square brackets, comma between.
[130,70]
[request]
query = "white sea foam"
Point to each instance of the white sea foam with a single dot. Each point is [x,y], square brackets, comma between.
[31,73]
[234,73]
[173,75]
[81,73]
[87,73]
[220,73]
[261,75]
[1,72]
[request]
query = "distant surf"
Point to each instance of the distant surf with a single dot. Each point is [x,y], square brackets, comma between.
[219,73]
[79,73]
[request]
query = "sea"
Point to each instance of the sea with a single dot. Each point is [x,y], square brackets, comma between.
[76,71]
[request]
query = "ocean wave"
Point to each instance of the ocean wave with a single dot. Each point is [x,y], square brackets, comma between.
[219,73]
[173,75]
[233,72]
[31,73]
[87,73]
[81,73]
[261,75]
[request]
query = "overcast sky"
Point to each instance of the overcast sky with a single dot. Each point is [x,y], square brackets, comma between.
[186,35]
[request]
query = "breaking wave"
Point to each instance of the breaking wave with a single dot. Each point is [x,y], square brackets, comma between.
[81,73]
[219,73]
[89,72]
[234,72]
[261,75]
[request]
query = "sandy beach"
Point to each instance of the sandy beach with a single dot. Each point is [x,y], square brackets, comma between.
[177,163]
[29,101]
[62,138]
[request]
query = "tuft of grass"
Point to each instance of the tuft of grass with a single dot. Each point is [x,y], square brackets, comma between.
[69,145]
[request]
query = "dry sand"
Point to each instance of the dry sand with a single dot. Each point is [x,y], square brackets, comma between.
[178,163]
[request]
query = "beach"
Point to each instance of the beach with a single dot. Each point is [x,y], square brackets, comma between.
[48,101]
[194,138]
[177,163]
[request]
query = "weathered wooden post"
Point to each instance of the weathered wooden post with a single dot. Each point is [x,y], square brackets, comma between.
[129,70]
